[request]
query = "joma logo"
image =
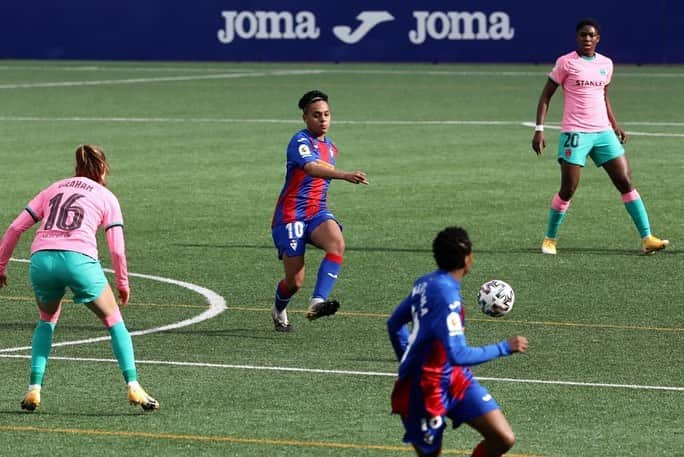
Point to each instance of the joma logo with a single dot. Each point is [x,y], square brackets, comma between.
[455,25]
[271,25]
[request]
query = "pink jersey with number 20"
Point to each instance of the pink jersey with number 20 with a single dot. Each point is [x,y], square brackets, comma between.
[584,81]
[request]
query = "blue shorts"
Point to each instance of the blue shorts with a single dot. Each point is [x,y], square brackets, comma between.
[291,238]
[52,272]
[426,432]
[574,147]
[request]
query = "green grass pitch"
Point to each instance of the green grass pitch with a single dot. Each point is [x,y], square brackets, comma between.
[197,156]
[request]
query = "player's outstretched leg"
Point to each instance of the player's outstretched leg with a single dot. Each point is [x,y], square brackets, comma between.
[556,215]
[41,347]
[328,272]
[122,347]
[637,211]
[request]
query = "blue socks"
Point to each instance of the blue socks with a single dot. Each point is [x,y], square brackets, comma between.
[327,275]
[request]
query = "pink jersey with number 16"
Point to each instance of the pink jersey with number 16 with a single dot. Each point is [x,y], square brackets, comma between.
[71,211]
[584,81]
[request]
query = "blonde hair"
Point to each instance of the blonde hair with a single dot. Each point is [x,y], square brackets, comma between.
[91,163]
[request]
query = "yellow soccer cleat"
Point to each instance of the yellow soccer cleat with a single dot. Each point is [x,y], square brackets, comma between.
[138,396]
[651,244]
[549,246]
[31,400]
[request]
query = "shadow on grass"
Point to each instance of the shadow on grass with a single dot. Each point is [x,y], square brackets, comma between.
[267,333]
[60,413]
[272,248]
[519,250]
[31,325]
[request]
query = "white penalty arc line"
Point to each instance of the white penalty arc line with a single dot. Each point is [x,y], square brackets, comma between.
[217,305]
[351,372]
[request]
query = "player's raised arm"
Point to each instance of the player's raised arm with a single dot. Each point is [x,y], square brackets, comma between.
[322,170]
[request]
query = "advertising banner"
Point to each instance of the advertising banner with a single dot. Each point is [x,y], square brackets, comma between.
[350,31]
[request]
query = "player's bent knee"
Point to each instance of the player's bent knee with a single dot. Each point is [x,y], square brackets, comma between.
[294,284]
[506,440]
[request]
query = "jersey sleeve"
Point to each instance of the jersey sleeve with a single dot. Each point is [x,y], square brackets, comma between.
[609,77]
[300,151]
[112,220]
[453,334]
[12,235]
[36,207]
[112,215]
[397,327]
[559,72]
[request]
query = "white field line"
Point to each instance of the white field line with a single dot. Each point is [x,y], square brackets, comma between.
[172,120]
[217,304]
[347,372]
[631,132]
[544,70]
[159,79]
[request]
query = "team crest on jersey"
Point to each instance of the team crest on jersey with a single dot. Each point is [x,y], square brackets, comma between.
[454,326]
[304,150]
[455,305]
[603,72]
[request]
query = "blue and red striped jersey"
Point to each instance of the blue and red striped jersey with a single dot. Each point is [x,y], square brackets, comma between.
[435,355]
[303,196]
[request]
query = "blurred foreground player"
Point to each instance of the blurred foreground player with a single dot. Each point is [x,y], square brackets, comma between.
[435,381]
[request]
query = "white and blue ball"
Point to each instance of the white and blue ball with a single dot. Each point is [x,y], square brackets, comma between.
[496,298]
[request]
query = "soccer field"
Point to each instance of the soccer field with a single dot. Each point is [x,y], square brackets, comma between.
[198,158]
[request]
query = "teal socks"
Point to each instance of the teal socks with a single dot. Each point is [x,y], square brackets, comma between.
[637,212]
[122,346]
[40,350]
[555,219]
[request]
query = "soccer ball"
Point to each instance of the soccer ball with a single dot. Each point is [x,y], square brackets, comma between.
[496,298]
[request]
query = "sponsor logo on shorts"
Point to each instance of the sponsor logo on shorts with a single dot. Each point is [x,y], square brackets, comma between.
[487,397]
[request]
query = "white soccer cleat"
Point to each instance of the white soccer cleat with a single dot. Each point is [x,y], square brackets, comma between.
[280,321]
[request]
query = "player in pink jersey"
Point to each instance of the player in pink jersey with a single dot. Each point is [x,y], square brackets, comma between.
[64,255]
[302,216]
[588,128]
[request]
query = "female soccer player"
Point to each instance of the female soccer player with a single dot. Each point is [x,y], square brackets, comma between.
[589,128]
[435,381]
[64,254]
[302,216]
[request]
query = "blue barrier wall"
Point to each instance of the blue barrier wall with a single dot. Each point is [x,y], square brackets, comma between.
[350,30]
